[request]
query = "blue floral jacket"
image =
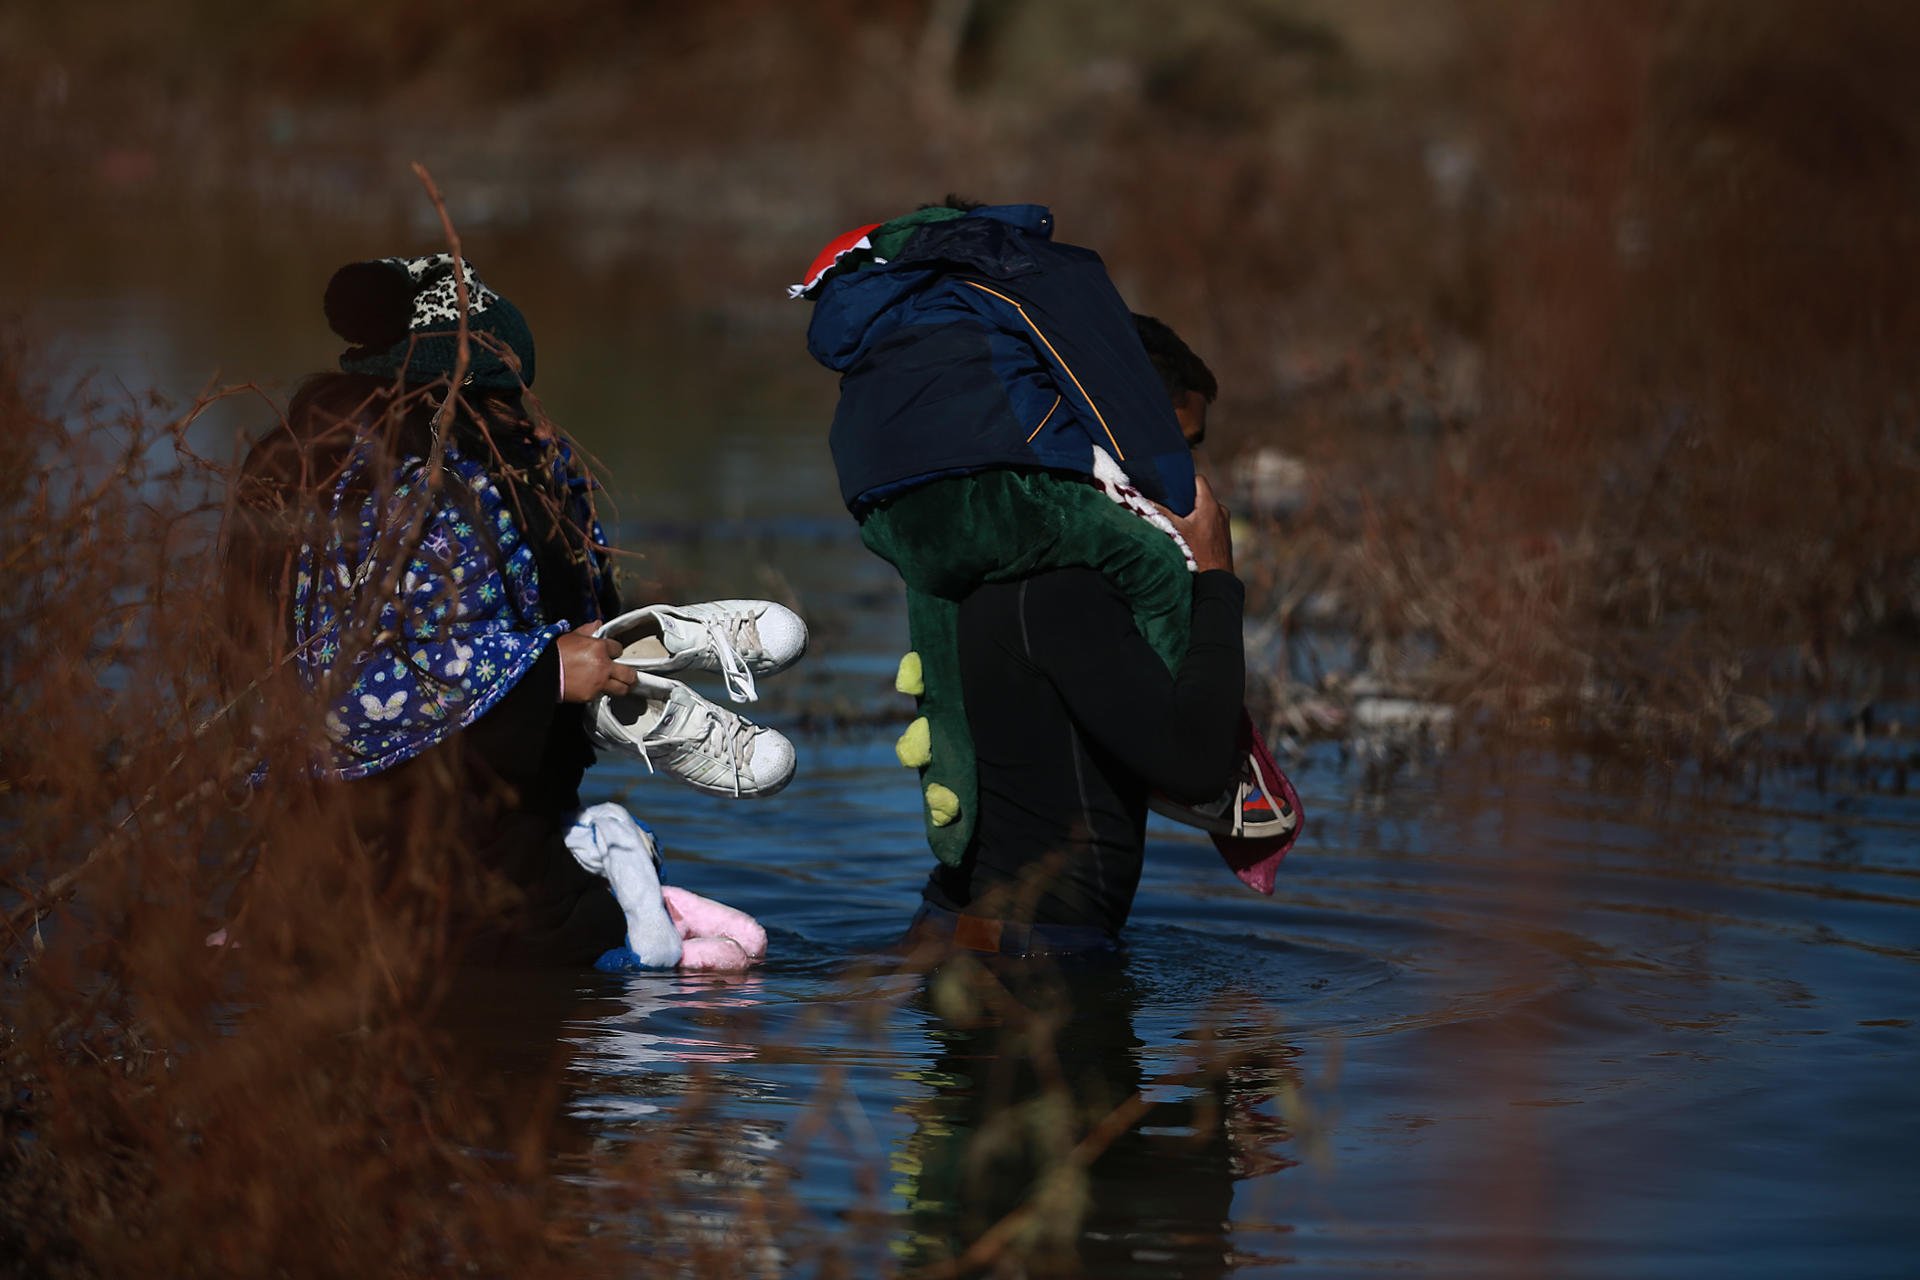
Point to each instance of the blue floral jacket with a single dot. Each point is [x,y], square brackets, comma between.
[458,626]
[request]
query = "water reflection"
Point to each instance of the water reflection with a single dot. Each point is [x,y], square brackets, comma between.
[1044,1135]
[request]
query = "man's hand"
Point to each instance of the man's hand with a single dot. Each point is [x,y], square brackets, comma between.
[1207,530]
[587,667]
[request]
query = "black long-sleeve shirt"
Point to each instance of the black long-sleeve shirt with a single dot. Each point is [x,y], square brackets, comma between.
[522,762]
[1074,718]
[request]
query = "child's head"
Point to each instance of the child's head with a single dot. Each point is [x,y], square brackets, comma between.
[1190,384]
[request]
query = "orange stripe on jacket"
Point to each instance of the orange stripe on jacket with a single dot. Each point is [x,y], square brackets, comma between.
[1049,418]
[1063,364]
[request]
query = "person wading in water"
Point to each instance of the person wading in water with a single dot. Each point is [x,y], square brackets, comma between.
[1006,441]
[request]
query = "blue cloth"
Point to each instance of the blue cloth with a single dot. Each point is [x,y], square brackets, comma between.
[461,626]
[983,343]
[622,960]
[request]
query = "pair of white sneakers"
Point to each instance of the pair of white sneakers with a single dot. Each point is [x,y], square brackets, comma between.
[672,728]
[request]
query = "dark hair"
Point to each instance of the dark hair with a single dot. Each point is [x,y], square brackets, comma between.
[953,201]
[334,417]
[1180,370]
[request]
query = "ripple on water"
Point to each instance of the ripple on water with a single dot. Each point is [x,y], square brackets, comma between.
[1451,981]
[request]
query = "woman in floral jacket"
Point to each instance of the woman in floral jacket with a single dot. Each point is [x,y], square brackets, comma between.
[441,581]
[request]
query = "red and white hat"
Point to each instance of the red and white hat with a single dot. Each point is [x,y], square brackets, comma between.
[829,257]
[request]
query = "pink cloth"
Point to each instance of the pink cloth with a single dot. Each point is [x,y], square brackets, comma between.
[1256,860]
[714,936]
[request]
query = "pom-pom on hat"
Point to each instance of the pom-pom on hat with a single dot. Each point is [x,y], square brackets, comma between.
[402,315]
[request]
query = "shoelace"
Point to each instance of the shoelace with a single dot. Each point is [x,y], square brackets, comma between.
[733,668]
[726,737]
[640,745]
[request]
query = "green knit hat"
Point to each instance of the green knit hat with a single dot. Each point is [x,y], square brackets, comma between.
[402,315]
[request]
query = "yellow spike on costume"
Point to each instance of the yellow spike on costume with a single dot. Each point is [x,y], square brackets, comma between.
[915,747]
[942,805]
[910,680]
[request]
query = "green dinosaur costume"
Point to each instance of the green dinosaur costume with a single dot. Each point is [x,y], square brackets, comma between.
[951,535]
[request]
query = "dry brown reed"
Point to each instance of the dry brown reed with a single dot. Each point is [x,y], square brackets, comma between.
[172,1106]
[1679,496]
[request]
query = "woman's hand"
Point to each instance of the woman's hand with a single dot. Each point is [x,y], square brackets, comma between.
[1208,530]
[588,669]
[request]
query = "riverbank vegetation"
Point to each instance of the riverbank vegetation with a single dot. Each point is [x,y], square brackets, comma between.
[1562,345]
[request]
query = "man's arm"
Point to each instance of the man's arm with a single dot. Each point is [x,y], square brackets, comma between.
[1174,729]
[1179,732]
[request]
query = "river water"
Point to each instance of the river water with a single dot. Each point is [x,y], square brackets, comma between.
[1505,1015]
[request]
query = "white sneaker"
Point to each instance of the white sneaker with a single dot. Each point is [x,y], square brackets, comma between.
[671,727]
[738,638]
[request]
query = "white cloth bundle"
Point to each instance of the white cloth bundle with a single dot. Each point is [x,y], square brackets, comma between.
[1116,485]
[667,927]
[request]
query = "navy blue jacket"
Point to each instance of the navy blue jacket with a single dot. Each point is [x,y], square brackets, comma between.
[980,344]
